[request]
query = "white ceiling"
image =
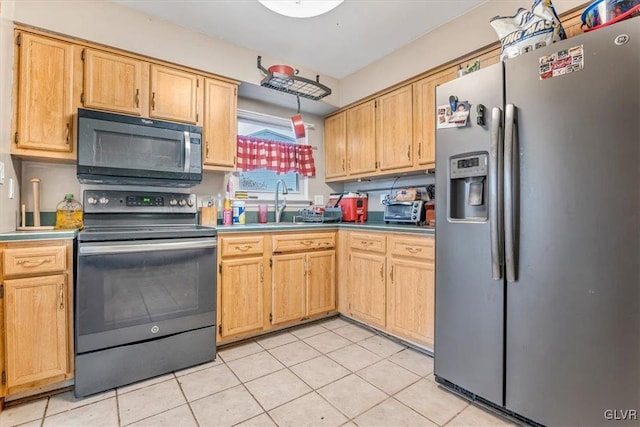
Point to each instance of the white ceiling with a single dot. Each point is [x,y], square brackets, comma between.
[338,43]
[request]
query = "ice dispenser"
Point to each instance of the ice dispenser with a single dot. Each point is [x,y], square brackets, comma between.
[467,187]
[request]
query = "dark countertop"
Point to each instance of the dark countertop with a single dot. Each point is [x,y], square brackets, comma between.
[12,236]
[291,226]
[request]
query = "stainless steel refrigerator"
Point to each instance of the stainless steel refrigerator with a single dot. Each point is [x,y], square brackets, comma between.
[538,232]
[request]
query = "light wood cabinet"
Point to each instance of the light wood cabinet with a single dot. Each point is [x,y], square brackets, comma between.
[220,125]
[36,329]
[335,147]
[44,98]
[288,288]
[411,288]
[37,314]
[424,116]
[390,283]
[241,296]
[361,139]
[241,285]
[366,276]
[303,276]
[114,82]
[394,129]
[174,94]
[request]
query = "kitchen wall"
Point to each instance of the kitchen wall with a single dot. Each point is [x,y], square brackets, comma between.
[388,186]
[58,179]
[8,206]
[452,40]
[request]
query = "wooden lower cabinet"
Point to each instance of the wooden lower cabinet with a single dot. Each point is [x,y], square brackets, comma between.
[366,277]
[37,310]
[288,288]
[273,280]
[242,296]
[390,283]
[410,300]
[36,329]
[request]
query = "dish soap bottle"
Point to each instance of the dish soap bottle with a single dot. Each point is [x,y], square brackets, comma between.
[68,214]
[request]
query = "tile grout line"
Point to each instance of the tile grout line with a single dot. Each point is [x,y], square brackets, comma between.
[193,414]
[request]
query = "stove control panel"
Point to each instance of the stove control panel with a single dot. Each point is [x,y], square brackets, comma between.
[115,201]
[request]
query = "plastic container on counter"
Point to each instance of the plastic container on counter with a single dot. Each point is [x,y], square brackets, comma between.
[238,212]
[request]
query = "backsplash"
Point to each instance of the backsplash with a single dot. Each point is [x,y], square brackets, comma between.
[376,188]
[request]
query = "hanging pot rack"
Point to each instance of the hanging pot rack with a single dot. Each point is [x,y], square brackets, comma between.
[293,84]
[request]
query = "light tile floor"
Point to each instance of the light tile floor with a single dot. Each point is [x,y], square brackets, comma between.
[329,373]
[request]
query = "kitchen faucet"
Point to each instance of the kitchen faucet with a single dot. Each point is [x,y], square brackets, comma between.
[279,207]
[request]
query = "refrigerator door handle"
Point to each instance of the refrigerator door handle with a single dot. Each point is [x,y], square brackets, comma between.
[510,189]
[495,193]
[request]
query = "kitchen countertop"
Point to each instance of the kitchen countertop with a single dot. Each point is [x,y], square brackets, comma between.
[291,226]
[38,235]
[245,228]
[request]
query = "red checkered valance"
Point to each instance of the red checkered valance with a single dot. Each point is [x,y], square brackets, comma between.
[281,157]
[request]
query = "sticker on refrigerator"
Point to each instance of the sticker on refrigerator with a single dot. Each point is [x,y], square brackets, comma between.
[449,118]
[562,62]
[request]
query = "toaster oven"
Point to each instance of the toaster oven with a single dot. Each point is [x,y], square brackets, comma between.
[409,212]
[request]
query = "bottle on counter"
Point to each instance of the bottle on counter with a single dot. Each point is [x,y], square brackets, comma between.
[227,211]
[220,210]
[69,214]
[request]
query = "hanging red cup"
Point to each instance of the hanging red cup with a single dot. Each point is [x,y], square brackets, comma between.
[298,126]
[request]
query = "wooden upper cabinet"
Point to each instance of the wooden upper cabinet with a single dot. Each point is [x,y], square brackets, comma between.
[424,116]
[361,139]
[572,24]
[335,146]
[44,97]
[394,129]
[174,94]
[220,127]
[114,82]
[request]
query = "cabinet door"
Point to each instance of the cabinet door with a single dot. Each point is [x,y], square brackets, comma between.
[242,296]
[36,329]
[288,288]
[220,127]
[113,82]
[424,116]
[321,280]
[335,146]
[174,94]
[361,139]
[410,299]
[44,99]
[367,282]
[394,129]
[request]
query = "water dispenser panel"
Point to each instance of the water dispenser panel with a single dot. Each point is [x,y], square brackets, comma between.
[469,166]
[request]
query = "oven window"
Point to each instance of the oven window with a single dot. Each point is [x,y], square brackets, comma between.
[398,211]
[123,290]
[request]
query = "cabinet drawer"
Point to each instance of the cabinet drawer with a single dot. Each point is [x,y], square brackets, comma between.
[303,242]
[33,261]
[368,242]
[415,247]
[234,246]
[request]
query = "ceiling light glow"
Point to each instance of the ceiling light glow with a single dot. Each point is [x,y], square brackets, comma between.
[300,8]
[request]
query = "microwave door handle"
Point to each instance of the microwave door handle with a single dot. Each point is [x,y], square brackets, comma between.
[187,152]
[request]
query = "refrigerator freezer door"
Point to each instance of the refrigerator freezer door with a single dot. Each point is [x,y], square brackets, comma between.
[469,303]
[573,314]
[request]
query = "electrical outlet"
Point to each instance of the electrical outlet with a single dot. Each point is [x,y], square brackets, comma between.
[1,173]
[383,197]
[12,191]
[318,200]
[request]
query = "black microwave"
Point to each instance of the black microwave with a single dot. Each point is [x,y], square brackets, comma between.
[120,149]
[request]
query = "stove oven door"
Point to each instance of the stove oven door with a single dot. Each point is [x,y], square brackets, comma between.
[134,291]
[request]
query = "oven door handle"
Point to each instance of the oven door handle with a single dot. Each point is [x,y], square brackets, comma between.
[148,247]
